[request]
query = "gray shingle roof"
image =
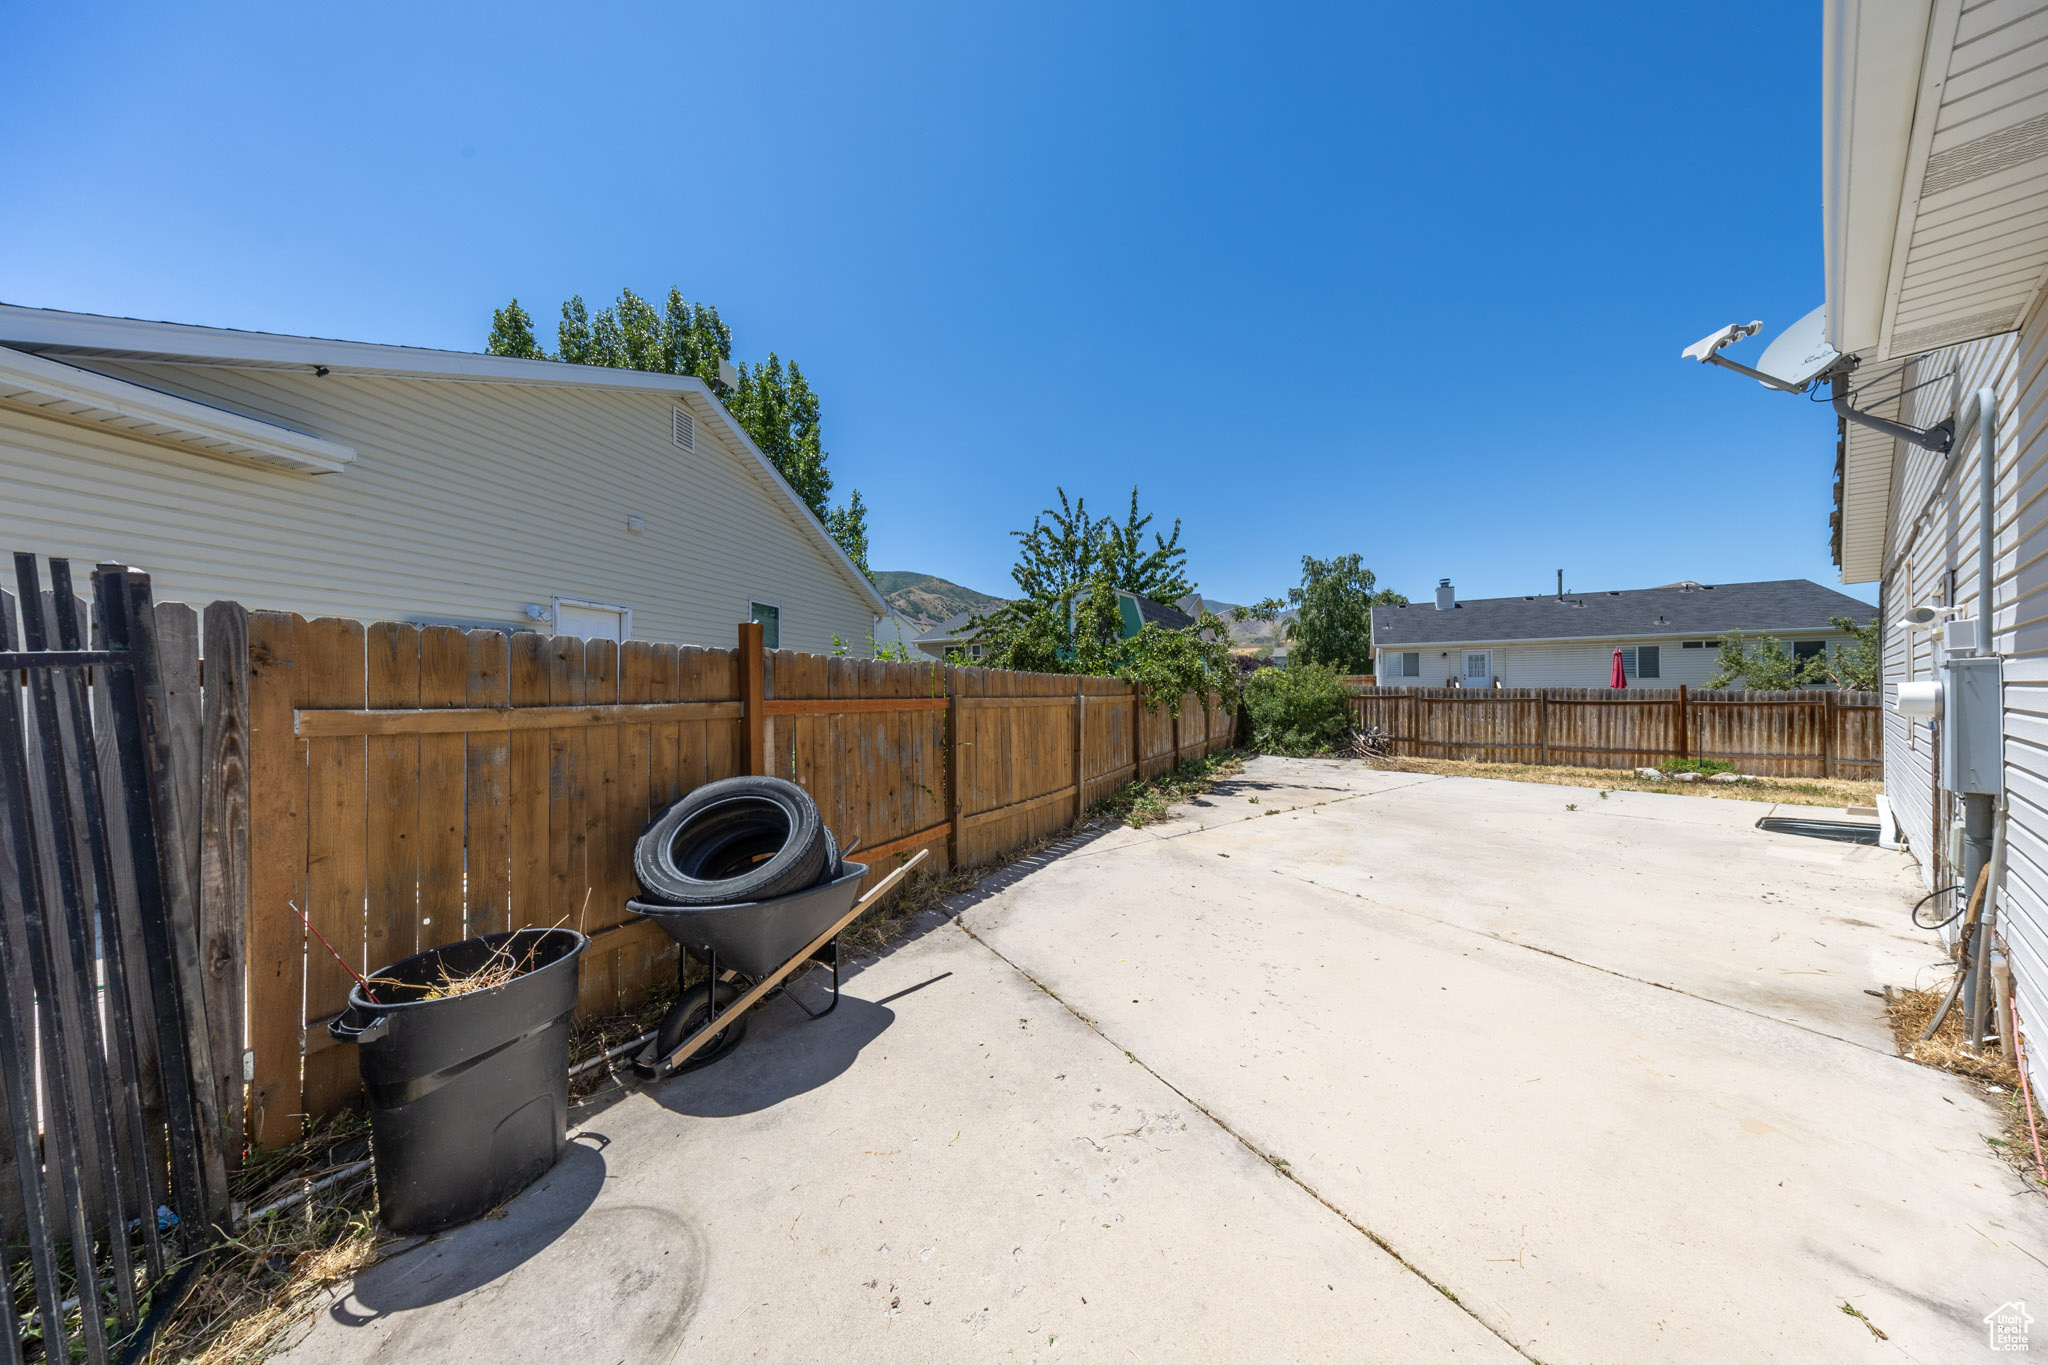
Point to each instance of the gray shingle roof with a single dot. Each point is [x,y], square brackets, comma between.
[1789,604]
[1159,614]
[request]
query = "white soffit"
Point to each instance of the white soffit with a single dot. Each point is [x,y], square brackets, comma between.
[1870,74]
[35,382]
[1867,460]
[1964,242]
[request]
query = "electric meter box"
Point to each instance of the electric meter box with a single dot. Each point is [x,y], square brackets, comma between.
[1973,725]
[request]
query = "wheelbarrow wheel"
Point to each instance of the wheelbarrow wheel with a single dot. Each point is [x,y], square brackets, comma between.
[691,1012]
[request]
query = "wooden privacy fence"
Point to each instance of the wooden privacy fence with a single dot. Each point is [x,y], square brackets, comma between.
[413,785]
[1812,733]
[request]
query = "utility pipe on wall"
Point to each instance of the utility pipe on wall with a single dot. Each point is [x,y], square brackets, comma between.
[1979,809]
[1987,497]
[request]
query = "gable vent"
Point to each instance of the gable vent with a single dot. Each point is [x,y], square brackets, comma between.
[685,430]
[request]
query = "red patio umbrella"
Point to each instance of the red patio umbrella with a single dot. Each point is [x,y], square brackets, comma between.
[1620,678]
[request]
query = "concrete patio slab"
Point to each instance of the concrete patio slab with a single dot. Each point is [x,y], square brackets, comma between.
[1416,1069]
[949,1167]
[1609,1075]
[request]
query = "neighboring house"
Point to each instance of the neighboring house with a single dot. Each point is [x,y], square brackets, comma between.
[1138,612]
[1667,636]
[337,478]
[1935,233]
[898,634]
[953,633]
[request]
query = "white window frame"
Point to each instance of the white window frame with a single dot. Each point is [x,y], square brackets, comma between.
[1466,674]
[1659,674]
[776,607]
[625,613]
[1406,656]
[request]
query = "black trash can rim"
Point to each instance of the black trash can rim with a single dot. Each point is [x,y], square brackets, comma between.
[357,1001]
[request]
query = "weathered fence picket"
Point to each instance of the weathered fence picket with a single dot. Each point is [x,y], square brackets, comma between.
[1811,733]
[410,785]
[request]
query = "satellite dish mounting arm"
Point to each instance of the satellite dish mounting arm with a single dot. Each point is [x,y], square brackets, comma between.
[1937,438]
[1815,360]
[1707,350]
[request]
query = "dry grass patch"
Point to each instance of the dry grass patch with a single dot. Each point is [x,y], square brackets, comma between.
[283,1267]
[1947,1050]
[1794,791]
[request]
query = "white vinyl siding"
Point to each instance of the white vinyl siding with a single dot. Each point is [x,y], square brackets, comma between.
[1931,541]
[466,502]
[1577,664]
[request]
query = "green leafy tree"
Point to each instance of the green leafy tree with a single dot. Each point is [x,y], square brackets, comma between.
[1061,552]
[1301,709]
[780,412]
[572,334]
[512,334]
[1067,617]
[1064,554]
[1859,662]
[1333,612]
[1159,573]
[849,526]
[1168,664]
[694,339]
[773,402]
[1765,666]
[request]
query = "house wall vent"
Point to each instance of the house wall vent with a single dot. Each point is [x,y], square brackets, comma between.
[685,430]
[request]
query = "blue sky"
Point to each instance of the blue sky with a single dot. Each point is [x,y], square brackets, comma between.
[1408,281]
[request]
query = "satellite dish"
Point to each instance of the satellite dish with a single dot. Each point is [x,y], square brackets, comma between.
[1801,353]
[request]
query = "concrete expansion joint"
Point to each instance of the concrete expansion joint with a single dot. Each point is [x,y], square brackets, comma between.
[1280,1167]
[1596,967]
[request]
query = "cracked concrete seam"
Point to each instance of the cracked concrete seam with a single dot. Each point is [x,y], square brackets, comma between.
[1279,1166]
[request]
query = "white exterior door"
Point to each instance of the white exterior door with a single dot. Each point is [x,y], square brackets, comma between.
[592,620]
[1478,670]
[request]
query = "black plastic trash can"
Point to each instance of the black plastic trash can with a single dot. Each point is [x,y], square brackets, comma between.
[469,1094]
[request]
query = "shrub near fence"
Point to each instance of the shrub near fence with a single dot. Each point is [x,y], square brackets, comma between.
[413,785]
[1814,733]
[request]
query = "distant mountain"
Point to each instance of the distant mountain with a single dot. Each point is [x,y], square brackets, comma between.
[928,599]
[1253,634]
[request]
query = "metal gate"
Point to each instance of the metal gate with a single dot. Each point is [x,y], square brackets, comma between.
[113,1182]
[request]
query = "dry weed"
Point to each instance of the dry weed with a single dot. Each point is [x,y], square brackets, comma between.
[1947,1050]
[1794,791]
[282,1267]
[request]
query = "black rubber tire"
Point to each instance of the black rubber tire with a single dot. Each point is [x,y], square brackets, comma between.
[691,1012]
[743,839]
